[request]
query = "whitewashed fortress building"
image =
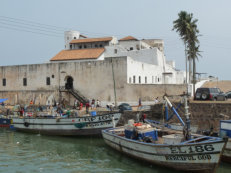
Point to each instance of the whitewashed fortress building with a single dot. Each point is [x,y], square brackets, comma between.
[102,68]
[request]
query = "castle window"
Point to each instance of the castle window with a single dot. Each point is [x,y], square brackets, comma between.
[100,45]
[53,76]
[74,37]
[131,48]
[67,38]
[96,45]
[146,80]
[139,79]
[158,79]
[134,79]
[71,46]
[85,46]
[115,51]
[24,81]
[4,82]
[48,81]
[80,47]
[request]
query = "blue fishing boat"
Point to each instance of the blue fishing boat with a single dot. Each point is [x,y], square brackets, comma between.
[4,120]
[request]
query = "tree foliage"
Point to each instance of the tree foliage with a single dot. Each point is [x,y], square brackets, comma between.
[186,26]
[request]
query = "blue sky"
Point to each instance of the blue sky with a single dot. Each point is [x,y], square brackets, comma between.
[32,31]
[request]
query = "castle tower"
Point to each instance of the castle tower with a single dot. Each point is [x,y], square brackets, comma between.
[70,35]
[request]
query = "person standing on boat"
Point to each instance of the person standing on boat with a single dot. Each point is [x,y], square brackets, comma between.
[97,103]
[75,104]
[59,110]
[2,104]
[80,106]
[139,102]
[93,104]
[87,107]
[156,100]
[143,117]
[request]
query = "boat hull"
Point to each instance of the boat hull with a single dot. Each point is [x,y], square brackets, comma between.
[5,122]
[193,157]
[91,125]
[226,156]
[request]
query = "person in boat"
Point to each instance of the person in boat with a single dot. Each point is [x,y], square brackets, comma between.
[87,107]
[55,104]
[40,109]
[76,104]
[2,104]
[31,102]
[156,100]
[97,103]
[93,104]
[68,113]
[110,107]
[21,111]
[59,110]
[143,117]
[80,106]
[139,102]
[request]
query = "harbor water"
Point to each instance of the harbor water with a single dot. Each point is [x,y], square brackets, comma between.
[27,153]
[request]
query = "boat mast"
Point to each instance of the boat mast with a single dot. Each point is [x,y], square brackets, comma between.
[114,84]
[188,131]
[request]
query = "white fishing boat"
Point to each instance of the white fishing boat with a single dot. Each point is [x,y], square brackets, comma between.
[167,147]
[73,126]
[201,153]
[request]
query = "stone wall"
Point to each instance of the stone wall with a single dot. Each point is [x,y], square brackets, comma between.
[92,79]
[205,115]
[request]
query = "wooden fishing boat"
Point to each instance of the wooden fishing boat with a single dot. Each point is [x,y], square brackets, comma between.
[75,126]
[225,130]
[167,147]
[5,121]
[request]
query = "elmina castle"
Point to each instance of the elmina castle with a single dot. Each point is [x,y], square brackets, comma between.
[104,68]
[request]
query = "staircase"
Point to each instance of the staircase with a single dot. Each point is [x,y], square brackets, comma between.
[76,94]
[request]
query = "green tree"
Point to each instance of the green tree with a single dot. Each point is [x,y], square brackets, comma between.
[186,26]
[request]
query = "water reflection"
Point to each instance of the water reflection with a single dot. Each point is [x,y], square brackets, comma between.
[22,152]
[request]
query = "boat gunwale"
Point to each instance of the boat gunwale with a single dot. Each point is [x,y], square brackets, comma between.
[61,118]
[219,140]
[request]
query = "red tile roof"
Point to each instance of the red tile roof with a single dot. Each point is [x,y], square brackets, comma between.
[88,40]
[128,38]
[78,54]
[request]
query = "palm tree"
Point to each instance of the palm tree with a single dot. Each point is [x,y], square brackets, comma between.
[181,25]
[194,53]
[193,47]
[188,32]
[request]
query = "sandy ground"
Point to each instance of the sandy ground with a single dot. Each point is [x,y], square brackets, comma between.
[223,85]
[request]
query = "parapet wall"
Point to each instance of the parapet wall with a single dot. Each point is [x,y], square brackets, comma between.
[205,115]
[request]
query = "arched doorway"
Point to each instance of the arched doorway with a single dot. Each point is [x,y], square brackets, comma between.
[69,83]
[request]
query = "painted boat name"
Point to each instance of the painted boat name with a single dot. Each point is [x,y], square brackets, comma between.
[184,158]
[192,149]
[99,118]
